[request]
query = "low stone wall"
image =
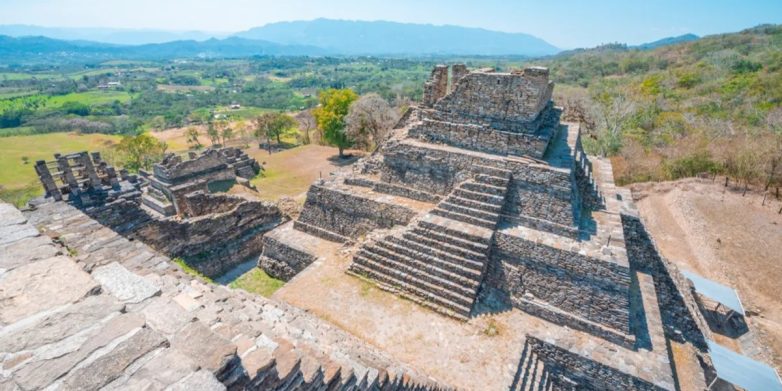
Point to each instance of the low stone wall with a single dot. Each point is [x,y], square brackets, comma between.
[682,319]
[478,138]
[348,214]
[587,373]
[281,260]
[590,288]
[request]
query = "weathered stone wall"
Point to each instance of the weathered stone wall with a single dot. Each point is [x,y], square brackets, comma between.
[584,286]
[173,170]
[200,203]
[587,373]
[350,215]
[478,138]
[546,203]
[437,85]
[214,243]
[682,319]
[428,169]
[510,102]
[282,261]
[389,188]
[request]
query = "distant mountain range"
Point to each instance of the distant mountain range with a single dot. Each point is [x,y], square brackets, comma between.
[108,35]
[379,37]
[667,41]
[41,49]
[22,43]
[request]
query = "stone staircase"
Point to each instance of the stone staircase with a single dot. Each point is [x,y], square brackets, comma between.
[440,261]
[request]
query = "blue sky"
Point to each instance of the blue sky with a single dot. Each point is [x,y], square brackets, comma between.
[566,23]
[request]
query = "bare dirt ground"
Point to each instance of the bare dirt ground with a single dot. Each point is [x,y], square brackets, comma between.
[727,237]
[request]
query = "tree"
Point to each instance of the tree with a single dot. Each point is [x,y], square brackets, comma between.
[330,116]
[192,137]
[212,132]
[157,123]
[306,124]
[140,152]
[612,114]
[273,125]
[369,120]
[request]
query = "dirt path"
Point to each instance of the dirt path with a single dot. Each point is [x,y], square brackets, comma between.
[728,238]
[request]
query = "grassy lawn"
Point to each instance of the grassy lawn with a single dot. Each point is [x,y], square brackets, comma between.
[19,179]
[90,98]
[258,282]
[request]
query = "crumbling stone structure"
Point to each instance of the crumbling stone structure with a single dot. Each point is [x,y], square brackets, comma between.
[171,210]
[482,196]
[174,178]
[84,179]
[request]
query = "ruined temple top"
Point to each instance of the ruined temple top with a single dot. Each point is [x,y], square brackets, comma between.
[513,101]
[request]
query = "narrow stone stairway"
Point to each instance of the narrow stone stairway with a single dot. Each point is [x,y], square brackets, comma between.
[440,261]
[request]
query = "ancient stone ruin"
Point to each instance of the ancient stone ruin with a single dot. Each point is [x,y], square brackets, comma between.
[482,200]
[481,206]
[173,209]
[174,178]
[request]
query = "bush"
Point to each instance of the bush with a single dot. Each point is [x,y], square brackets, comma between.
[690,166]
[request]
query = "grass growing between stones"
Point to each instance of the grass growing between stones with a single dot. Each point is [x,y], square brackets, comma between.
[189,270]
[258,282]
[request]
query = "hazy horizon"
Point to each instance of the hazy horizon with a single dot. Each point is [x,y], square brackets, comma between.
[565,24]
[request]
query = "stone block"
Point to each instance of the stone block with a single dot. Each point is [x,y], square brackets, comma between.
[123,284]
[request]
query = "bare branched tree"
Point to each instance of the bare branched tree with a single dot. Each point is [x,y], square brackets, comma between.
[369,120]
[306,124]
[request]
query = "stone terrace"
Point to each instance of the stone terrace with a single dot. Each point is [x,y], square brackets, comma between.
[91,309]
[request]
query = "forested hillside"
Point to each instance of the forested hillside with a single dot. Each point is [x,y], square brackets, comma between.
[710,105]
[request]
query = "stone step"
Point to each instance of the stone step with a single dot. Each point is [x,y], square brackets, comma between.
[452,240]
[487,207]
[479,196]
[439,262]
[481,214]
[445,247]
[492,180]
[484,188]
[465,263]
[493,171]
[457,229]
[465,218]
[434,285]
[437,303]
[469,285]
[319,232]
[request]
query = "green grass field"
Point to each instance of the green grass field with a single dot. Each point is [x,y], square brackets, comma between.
[90,98]
[18,180]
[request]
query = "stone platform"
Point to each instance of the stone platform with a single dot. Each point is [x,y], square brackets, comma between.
[90,309]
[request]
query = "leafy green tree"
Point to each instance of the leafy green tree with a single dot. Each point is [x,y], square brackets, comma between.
[273,125]
[330,116]
[140,152]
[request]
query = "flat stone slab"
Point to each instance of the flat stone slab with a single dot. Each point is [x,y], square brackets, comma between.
[208,349]
[123,284]
[12,233]
[166,316]
[110,366]
[199,381]
[54,326]
[9,215]
[22,252]
[42,285]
